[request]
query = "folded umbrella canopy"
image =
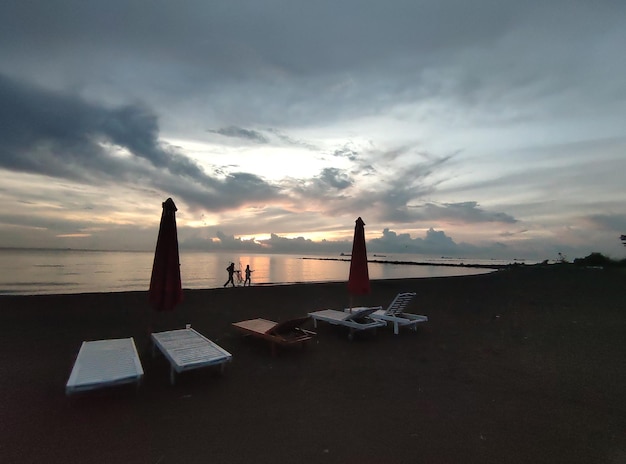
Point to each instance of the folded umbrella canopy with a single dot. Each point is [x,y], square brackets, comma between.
[359,280]
[165,285]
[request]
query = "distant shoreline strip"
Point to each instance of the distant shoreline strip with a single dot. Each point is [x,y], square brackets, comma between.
[420,263]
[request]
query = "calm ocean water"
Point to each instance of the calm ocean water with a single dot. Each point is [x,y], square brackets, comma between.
[30,272]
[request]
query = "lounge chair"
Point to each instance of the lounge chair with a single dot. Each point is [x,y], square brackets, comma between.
[105,363]
[286,333]
[395,313]
[187,349]
[356,319]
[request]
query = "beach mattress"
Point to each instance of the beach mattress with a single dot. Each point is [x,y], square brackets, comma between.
[187,349]
[105,363]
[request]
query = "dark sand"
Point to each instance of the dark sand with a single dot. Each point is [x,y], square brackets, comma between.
[525,365]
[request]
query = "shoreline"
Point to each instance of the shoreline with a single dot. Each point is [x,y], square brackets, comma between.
[80,273]
[7,292]
[425,263]
[4,293]
[516,366]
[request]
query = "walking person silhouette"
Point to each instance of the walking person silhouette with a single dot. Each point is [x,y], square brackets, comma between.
[248,273]
[231,271]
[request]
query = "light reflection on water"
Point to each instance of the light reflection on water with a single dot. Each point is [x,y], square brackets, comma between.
[74,271]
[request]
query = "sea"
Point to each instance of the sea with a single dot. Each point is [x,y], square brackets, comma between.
[56,271]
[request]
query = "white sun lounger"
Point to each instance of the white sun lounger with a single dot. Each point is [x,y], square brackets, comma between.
[187,349]
[105,363]
[358,319]
[396,315]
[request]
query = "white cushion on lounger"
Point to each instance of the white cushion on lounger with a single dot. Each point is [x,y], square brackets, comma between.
[187,349]
[104,363]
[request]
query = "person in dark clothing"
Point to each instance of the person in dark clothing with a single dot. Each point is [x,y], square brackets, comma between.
[248,273]
[231,271]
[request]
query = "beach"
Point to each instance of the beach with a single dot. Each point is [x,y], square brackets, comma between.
[523,365]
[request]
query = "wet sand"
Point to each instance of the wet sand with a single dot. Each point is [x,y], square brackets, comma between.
[525,365]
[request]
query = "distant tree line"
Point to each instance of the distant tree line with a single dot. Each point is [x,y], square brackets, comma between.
[593,260]
[599,260]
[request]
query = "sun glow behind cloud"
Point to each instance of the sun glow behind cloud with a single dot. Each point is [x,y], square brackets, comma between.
[269,161]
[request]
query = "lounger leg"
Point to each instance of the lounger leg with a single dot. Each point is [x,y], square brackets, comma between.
[315,323]
[172,375]
[396,329]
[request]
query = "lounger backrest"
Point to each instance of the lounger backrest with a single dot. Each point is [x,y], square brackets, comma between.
[287,326]
[399,303]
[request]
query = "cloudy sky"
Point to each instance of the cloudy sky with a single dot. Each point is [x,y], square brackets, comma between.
[465,128]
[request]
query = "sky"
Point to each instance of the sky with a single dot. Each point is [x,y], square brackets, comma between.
[486,129]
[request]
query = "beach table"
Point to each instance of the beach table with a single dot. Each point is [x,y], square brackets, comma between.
[105,363]
[186,349]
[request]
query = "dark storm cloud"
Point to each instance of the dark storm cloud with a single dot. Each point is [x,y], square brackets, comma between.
[64,136]
[61,135]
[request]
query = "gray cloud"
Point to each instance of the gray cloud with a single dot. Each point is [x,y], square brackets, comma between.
[64,136]
[240,133]
[329,185]
[346,152]
[299,61]
[290,141]
[435,242]
[466,212]
[335,178]
[614,222]
[390,198]
[290,64]
[412,182]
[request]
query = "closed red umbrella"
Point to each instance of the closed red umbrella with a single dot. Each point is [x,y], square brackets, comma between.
[359,280]
[165,286]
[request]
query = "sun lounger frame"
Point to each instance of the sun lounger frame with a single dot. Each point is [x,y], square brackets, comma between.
[357,319]
[272,331]
[105,363]
[396,315]
[187,349]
